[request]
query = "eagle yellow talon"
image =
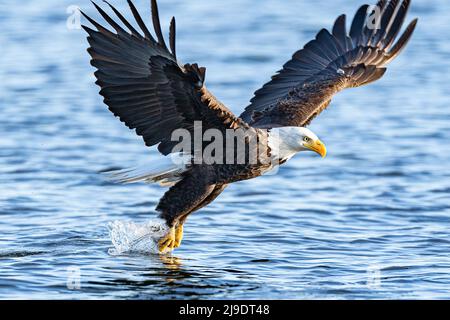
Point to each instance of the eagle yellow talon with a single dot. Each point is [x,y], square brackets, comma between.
[178,235]
[171,240]
[166,244]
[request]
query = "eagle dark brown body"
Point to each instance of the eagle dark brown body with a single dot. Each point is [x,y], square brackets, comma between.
[145,85]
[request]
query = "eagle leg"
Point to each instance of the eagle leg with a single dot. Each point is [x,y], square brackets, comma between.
[185,197]
[173,239]
[196,190]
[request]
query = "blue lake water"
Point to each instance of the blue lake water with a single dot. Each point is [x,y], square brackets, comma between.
[371,221]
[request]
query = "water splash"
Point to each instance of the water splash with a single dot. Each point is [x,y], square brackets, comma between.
[132,238]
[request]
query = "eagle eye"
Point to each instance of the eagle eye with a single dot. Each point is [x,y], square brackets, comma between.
[306,139]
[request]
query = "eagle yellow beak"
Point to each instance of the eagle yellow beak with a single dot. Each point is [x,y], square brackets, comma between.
[318,147]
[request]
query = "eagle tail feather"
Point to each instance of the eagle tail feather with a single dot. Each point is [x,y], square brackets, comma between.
[166,173]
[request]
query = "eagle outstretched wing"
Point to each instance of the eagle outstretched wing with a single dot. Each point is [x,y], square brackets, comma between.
[330,63]
[145,86]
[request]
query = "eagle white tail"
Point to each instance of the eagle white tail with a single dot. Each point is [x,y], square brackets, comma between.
[166,172]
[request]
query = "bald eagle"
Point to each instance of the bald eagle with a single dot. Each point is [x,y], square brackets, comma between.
[151,91]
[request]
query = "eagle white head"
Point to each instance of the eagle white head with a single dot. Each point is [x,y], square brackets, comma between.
[285,142]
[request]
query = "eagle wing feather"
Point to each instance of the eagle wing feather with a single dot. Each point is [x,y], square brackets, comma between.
[145,86]
[330,63]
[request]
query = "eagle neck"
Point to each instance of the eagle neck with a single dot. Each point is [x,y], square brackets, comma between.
[280,144]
